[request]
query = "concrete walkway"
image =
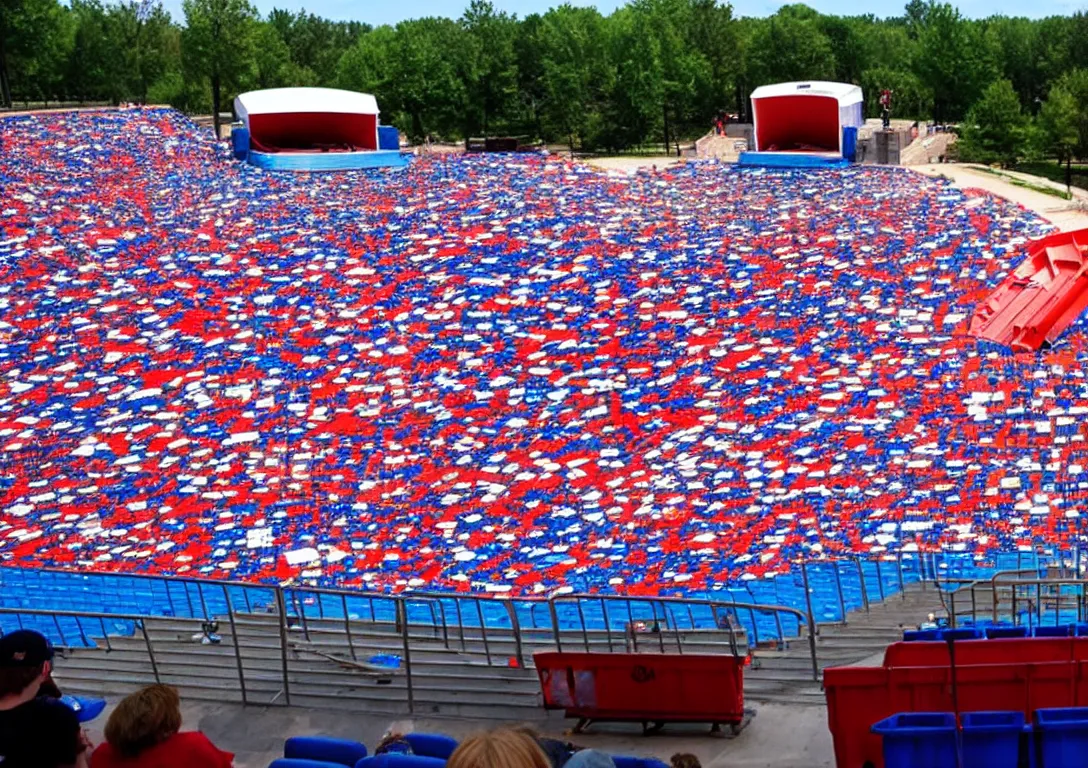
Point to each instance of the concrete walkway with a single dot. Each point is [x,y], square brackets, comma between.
[1067,215]
[779,736]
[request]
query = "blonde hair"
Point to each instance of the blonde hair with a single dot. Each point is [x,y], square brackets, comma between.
[143,719]
[500,748]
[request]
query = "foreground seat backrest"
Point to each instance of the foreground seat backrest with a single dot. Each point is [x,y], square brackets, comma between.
[400,761]
[432,744]
[324,748]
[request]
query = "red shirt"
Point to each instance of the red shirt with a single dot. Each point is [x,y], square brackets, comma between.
[182,750]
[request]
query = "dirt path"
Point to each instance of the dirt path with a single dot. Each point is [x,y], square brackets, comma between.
[1067,215]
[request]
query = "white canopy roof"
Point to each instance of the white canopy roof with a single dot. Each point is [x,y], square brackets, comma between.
[279,100]
[846,93]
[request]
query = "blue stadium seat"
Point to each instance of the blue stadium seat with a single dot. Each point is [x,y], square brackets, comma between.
[432,744]
[324,748]
[292,762]
[400,761]
[626,761]
[1060,631]
[916,635]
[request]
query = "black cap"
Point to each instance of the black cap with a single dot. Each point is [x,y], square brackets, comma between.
[24,648]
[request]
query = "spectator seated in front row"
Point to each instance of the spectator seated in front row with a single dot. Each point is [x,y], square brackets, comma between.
[36,729]
[144,732]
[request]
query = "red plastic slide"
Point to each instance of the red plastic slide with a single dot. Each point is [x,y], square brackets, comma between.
[1037,302]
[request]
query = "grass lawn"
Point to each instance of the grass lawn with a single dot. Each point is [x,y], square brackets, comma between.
[1049,169]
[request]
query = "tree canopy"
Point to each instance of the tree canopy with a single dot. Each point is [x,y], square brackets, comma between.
[652,71]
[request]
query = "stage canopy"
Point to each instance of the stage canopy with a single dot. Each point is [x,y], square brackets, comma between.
[806,117]
[309,119]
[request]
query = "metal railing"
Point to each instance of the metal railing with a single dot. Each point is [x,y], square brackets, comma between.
[496,628]
[990,598]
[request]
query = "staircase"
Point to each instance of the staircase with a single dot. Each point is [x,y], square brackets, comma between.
[461,676]
[785,675]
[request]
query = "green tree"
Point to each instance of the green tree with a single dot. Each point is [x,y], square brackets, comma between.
[910,98]
[953,61]
[91,68]
[575,71]
[638,91]
[994,130]
[217,45]
[789,46]
[417,70]
[31,44]
[1059,125]
[370,66]
[492,76]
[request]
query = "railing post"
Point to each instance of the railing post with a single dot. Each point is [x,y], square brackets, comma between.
[879,580]
[838,587]
[347,625]
[281,608]
[582,620]
[515,624]
[864,589]
[902,584]
[402,613]
[993,599]
[974,606]
[607,624]
[150,651]
[812,647]
[483,630]
[460,622]
[237,650]
[952,608]
[203,604]
[808,595]
[445,628]
[555,624]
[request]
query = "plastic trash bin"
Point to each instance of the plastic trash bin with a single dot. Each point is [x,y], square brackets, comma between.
[913,739]
[1061,738]
[915,635]
[1000,632]
[991,739]
[239,139]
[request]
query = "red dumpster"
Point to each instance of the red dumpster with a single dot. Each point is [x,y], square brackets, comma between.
[1007,675]
[646,688]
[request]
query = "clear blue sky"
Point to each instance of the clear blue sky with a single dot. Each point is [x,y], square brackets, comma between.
[389,12]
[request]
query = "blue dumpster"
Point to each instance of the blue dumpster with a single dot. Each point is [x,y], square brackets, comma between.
[913,739]
[992,739]
[999,632]
[1061,737]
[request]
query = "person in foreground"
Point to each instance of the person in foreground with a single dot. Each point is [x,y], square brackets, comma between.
[36,731]
[500,748]
[144,732]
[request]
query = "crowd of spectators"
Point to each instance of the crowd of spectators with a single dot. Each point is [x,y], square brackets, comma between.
[506,373]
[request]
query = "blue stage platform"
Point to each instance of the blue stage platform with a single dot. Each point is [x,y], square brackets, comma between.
[327,161]
[793,160]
